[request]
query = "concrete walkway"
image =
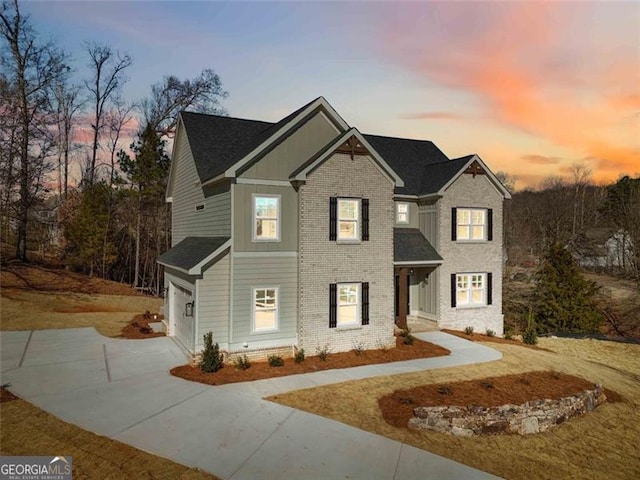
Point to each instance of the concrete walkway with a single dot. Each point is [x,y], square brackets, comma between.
[121,389]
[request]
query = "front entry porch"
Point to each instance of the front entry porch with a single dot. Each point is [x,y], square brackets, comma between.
[416,297]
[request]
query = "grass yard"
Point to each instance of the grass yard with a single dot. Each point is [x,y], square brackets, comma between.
[39,298]
[27,430]
[600,445]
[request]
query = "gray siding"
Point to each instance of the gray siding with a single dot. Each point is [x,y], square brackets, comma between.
[424,293]
[264,271]
[428,223]
[243,219]
[213,303]
[295,150]
[214,219]
[413,215]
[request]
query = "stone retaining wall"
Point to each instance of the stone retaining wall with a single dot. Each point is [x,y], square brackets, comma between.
[531,417]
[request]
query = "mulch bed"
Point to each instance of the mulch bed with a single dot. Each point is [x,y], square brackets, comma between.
[138,328]
[262,370]
[397,407]
[6,395]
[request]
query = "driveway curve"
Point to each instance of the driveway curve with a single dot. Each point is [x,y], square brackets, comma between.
[122,389]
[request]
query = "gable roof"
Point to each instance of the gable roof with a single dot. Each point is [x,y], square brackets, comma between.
[411,247]
[192,253]
[223,146]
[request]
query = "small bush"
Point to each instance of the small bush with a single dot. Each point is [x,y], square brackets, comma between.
[242,363]
[299,357]
[358,347]
[508,332]
[468,330]
[381,345]
[530,335]
[323,353]
[407,338]
[445,390]
[490,333]
[275,361]
[212,358]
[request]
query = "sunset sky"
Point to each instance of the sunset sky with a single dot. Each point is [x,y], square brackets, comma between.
[530,87]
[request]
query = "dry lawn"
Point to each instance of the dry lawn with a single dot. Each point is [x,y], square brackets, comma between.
[25,429]
[39,298]
[601,445]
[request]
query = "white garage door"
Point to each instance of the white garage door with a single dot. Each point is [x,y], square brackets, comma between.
[183,325]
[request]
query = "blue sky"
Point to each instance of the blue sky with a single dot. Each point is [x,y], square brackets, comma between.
[531,87]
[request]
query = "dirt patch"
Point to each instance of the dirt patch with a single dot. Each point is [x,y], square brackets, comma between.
[47,279]
[6,395]
[478,337]
[138,328]
[27,430]
[397,407]
[262,370]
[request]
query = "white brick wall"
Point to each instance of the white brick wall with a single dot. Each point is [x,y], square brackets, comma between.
[322,261]
[469,191]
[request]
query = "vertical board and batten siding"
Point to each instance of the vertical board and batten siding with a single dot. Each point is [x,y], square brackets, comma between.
[471,257]
[243,219]
[428,223]
[214,220]
[423,295]
[256,272]
[292,152]
[213,306]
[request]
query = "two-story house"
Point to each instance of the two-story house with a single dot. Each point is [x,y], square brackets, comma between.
[308,233]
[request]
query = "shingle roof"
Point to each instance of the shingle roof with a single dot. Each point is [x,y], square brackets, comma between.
[409,245]
[191,251]
[219,142]
[407,157]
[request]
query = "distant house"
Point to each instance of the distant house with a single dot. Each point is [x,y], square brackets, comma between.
[604,248]
[308,233]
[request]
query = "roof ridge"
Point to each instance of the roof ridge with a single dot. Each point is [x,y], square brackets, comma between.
[227,117]
[398,138]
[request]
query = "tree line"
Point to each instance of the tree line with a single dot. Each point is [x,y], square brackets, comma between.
[94,200]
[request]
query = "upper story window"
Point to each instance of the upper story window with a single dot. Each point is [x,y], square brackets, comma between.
[348,219]
[473,224]
[265,309]
[266,218]
[402,213]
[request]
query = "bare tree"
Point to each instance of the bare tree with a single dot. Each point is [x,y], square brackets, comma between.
[581,176]
[108,76]
[31,68]
[507,180]
[67,107]
[116,119]
[168,98]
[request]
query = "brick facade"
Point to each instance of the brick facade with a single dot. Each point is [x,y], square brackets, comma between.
[460,257]
[322,262]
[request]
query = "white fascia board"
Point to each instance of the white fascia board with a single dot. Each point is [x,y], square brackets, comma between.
[215,179]
[419,263]
[168,196]
[401,196]
[173,267]
[197,269]
[380,163]
[320,102]
[492,178]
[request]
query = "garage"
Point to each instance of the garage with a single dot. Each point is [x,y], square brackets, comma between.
[183,316]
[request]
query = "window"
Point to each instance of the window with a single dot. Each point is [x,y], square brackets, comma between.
[402,213]
[348,219]
[348,304]
[265,309]
[471,224]
[470,289]
[266,216]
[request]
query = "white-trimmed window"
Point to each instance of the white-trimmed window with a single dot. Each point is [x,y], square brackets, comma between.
[348,308]
[471,224]
[402,213]
[348,219]
[265,309]
[471,289]
[266,218]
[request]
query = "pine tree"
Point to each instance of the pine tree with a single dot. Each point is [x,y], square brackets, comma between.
[564,300]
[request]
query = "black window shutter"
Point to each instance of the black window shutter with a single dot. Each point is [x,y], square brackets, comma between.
[490,224]
[333,305]
[453,290]
[454,224]
[365,303]
[489,288]
[333,219]
[365,219]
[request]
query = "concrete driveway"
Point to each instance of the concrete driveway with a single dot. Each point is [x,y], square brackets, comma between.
[122,389]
